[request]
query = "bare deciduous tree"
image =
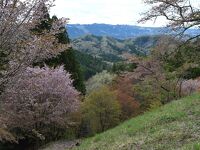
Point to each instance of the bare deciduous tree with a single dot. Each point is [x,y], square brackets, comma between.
[181,14]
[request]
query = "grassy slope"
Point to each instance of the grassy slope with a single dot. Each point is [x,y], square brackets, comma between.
[174,126]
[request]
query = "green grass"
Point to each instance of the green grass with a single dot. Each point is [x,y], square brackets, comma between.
[174,126]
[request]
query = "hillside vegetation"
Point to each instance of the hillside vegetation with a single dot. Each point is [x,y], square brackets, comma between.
[104,90]
[174,126]
[90,65]
[112,49]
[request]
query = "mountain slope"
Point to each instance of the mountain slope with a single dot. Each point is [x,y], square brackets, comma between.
[174,126]
[112,49]
[116,31]
[90,65]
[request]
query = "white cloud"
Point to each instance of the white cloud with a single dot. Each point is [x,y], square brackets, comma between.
[103,11]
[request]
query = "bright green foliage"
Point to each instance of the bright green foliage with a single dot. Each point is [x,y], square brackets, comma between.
[172,127]
[149,95]
[101,110]
[100,79]
[196,146]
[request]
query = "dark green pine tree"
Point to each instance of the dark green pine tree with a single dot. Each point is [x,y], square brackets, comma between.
[67,57]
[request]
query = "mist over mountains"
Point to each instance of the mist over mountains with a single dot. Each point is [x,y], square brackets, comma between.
[118,31]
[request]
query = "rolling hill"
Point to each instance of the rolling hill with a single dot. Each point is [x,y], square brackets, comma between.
[174,126]
[111,49]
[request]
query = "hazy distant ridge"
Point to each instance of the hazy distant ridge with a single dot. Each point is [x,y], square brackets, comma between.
[116,31]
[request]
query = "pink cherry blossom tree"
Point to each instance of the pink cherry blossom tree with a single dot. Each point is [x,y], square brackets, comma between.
[40,98]
[19,47]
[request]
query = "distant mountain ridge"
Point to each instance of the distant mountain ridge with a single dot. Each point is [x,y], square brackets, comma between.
[117,31]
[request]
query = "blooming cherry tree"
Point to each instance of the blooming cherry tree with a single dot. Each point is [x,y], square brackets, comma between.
[41,97]
[19,46]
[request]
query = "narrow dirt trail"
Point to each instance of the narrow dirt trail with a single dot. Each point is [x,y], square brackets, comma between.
[61,145]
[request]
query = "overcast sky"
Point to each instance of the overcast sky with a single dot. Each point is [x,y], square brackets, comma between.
[103,11]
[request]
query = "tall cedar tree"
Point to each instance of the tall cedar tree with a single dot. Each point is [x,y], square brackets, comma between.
[67,57]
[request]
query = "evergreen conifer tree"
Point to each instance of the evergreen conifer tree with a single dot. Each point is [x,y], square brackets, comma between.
[67,57]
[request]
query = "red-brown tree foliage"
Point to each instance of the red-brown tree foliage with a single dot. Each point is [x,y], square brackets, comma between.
[124,87]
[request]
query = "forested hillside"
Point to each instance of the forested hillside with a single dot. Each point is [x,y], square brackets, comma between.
[100,91]
[90,65]
[111,50]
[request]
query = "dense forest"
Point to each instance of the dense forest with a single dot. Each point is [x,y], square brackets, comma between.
[90,65]
[53,88]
